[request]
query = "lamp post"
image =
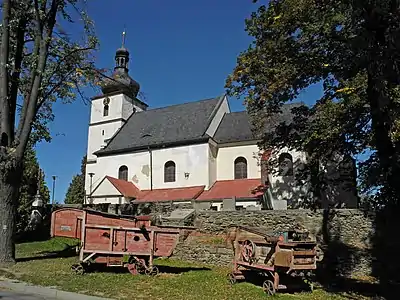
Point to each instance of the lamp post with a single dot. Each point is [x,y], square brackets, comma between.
[54,189]
[91,183]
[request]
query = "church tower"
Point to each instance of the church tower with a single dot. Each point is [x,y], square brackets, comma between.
[110,110]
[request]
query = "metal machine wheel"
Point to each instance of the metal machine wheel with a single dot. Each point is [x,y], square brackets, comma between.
[248,250]
[232,278]
[268,287]
[132,268]
[137,265]
[78,269]
[152,271]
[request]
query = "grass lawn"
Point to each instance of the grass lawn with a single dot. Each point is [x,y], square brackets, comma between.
[183,281]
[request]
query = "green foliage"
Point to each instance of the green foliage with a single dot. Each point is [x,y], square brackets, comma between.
[76,190]
[28,189]
[349,47]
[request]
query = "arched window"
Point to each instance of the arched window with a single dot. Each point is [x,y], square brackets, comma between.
[123,173]
[105,110]
[169,171]
[285,164]
[240,168]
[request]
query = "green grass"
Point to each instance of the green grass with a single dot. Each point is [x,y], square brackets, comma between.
[189,284]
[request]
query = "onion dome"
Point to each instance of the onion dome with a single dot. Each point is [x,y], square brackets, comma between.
[120,80]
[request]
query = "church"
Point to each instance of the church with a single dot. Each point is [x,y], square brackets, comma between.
[195,152]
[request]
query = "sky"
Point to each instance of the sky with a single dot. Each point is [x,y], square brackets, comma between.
[180,51]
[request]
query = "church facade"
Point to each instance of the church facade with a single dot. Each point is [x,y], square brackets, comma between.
[196,151]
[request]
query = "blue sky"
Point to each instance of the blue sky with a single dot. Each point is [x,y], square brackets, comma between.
[180,51]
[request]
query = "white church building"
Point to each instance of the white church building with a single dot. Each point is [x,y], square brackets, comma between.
[197,151]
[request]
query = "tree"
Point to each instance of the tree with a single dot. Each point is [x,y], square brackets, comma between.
[28,189]
[349,46]
[39,63]
[76,190]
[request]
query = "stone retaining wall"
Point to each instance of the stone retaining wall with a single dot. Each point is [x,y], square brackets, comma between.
[344,235]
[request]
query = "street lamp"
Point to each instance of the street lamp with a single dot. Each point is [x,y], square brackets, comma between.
[54,189]
[91,183]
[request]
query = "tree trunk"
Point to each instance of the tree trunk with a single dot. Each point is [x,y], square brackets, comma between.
[381,126]
[10,178]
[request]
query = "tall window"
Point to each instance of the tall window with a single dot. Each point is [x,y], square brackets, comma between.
[105,110]
[123,173]
[169,171]
[240,168]
[285,164]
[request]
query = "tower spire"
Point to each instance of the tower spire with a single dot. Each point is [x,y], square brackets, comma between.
[122,54]
[123,37]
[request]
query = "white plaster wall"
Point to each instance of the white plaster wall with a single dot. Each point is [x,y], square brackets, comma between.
[226,158]
[222,110]
[286,187]
[137,163]
[128,105]
[120,106]
[212,163]
[98,134]
[105,188]
[110,200]
[192,159]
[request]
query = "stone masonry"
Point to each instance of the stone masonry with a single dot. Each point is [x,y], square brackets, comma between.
[344,236]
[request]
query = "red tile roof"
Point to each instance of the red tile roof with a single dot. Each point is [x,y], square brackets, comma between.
[239,188]
[177,194]
[126,188]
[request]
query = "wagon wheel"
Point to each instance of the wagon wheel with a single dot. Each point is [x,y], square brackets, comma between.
[248,250]
[232,278]
[78,269]
[133,269]
[136,265]
[152,271]
[141,266]
[268,287]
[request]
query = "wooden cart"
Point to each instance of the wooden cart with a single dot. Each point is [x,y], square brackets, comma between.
[114,240]
[287,254]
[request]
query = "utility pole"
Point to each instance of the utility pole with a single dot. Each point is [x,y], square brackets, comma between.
[91,183]
[54,189]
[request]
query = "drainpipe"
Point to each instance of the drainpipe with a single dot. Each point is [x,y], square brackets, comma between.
[151,168]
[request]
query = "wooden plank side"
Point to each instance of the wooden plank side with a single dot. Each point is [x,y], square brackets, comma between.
[97,239]
[65,223]
[109,220]
[165,243]
[136,241]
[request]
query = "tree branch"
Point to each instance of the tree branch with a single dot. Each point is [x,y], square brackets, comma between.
[15,76]
[31,105]
[36,51]
[51,91]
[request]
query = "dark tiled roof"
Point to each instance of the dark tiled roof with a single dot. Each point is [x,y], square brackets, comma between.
[236,126]
[164,126]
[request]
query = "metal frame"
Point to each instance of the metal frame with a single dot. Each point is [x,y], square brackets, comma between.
[287,264]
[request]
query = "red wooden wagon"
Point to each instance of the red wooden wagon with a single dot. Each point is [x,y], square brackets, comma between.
[116,240]
[273,256]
